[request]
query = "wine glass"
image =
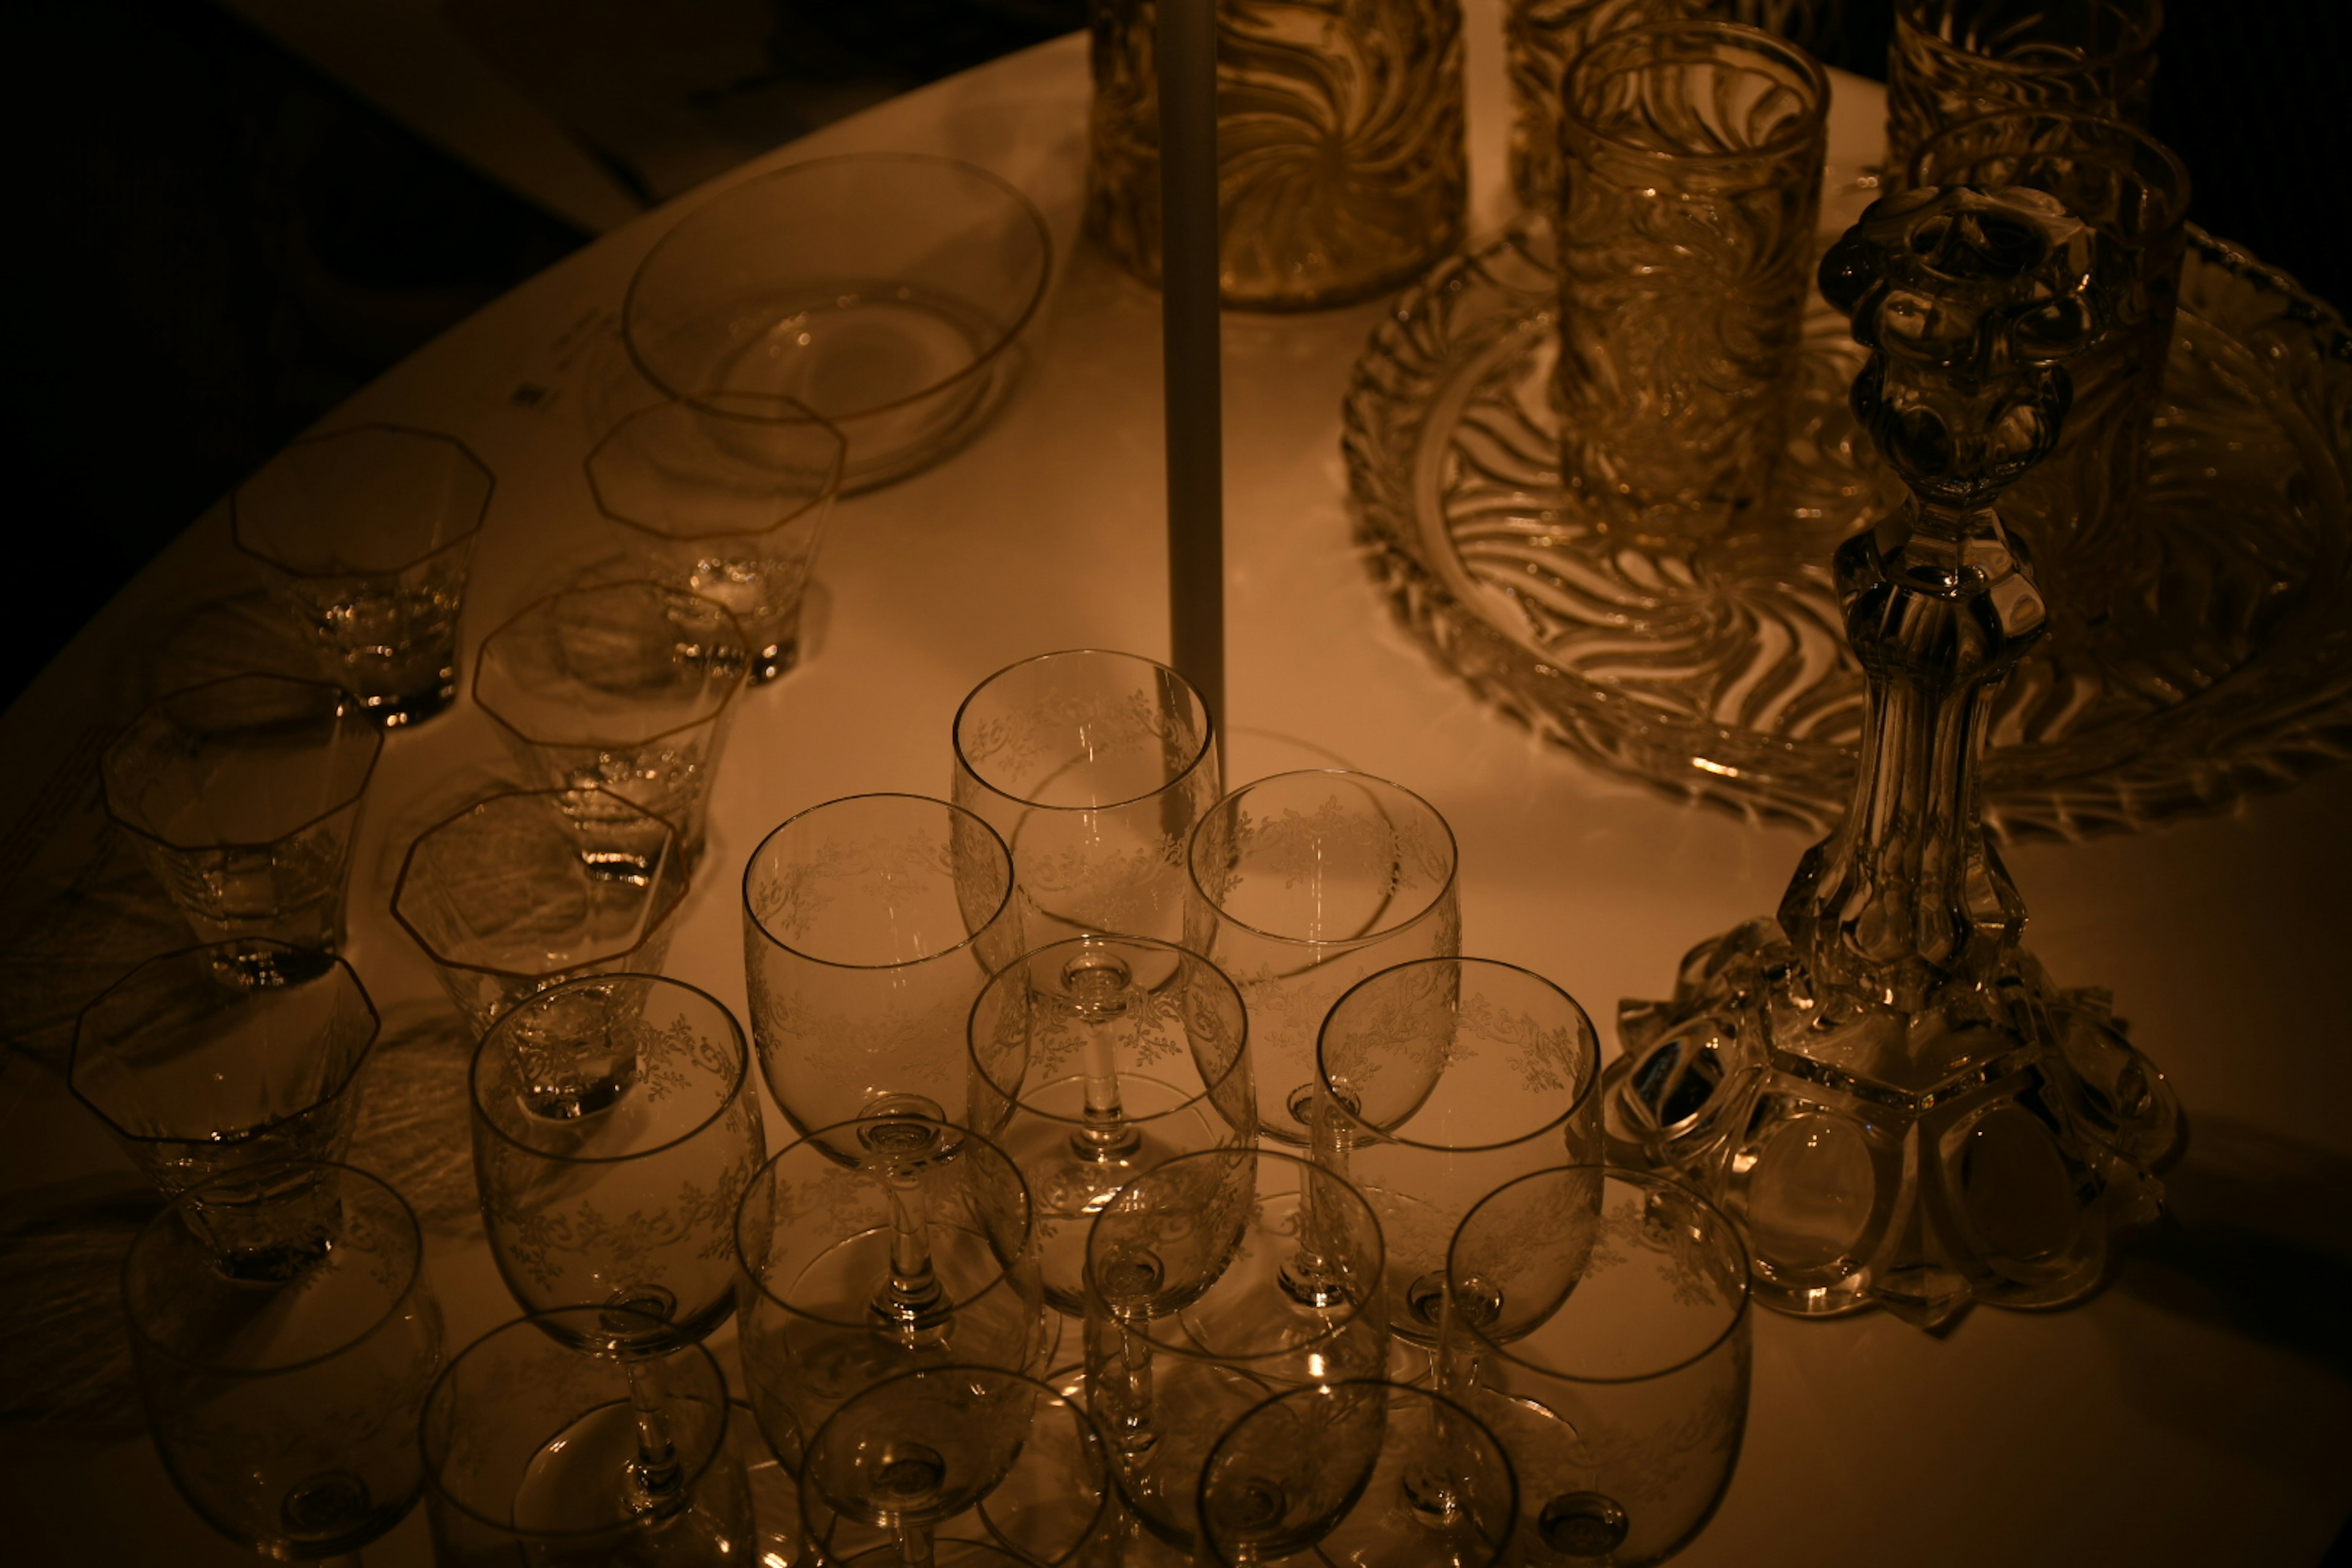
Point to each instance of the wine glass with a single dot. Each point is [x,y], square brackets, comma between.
[1095,1058]
[1303,884]
[1094,766]
[869,926]
[614,1130]
[283,1341]
[562,1440]
[1437,1081]
[1597,1320]
[1210,1279]
[1020,1465]
[874,1246]
[1366,1473]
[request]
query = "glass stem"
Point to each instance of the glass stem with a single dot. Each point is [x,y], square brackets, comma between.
[910,1301]
[914,1543]
[656,1479]
[1119,1391]
[1105,1136]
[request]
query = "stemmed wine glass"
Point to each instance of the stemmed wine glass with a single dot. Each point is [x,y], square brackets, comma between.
[1210,1279]
[1364,1473]
[899,1461]
[1095,1058]
[1092,766]
[284,1342]
[874,1246]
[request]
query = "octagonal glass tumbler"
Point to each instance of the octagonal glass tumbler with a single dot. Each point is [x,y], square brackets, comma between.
[243,794]
[368,536]
[284,1399]
[625,688]
[1597,1322]
[210,1060]
[1092,766]
[526,890]
[869,925]
[1303,884]
[615,1129]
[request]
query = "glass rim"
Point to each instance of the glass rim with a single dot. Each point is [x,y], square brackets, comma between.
[726,700]
[1193,766]
[673,863]
[533,1320]
[1588,1054]
[1021,202]
[1098,1442]
[238,506]
[813,1141]
[2175,198]
[1365,939]
[827,492]
[1185,1348]
[1732,1238]
[174,1211]
[2144,25]
[342,1086]
[1085,938]
[348,704]
[1012,883]
[734,1089]
[1812,126]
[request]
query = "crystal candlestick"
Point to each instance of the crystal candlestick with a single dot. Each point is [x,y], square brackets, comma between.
[1881,1084]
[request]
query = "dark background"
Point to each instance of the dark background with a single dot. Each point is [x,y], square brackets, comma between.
[213,245]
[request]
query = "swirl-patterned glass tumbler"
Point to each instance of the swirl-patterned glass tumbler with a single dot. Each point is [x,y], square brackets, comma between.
[1342,171]
[1694,155]
[1952,60]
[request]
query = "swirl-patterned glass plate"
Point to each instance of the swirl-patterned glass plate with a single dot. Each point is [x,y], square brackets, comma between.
[2221,663]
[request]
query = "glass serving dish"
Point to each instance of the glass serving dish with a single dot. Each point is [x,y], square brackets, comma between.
[2221,663]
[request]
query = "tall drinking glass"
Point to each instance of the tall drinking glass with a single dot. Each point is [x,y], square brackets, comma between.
[1094,767]
[1693,157]
[1597,1322]
[869,926]
[208,1060]
[614,1130]
[545,1446]
[1952,60]
[728,498]
[625,688]
[244,795]
[368,535]
[873,1247]
[283,1382]
[1095,1058]
[1438,1081]
[1303,884]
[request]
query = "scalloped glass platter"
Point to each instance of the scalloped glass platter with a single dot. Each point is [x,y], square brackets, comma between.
[2221,663]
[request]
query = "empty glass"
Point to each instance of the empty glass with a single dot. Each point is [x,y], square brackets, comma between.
[626,687]
[889,291]
[1952,60]
[1211,1279]
[869,926]
[1691,181]
[243,794]
[873,1247]
[522,891]
[544,1445]
[211,1059]
[1302,884]
[1094,767]
[1598,1324]
[1095,1058]
[283,1386]
[368,533]
[1363,1474]
[614,1130]
[1015,1467]
[1439,1080]
[729,503]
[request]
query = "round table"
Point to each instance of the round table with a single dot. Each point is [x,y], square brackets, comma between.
[2199,1410]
